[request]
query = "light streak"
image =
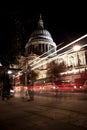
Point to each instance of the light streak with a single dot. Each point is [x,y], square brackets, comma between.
[51,59]
[61,48]
[54,58]
[45,53]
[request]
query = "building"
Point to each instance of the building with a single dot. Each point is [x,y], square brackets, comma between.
[40,50]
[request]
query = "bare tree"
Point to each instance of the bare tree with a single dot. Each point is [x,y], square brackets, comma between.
[55,69]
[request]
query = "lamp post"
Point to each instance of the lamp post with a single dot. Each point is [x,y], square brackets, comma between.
[25,70]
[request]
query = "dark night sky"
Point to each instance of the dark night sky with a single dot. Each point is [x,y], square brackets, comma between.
[65,21]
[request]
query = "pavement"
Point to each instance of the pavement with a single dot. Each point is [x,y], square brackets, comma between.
[44,113]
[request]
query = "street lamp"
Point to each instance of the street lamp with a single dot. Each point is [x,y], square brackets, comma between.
[76,48]
[0,64]
[9,72]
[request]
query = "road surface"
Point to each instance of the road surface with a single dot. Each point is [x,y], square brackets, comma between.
[66,111]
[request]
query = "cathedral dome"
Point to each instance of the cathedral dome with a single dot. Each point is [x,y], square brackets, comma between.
[40,33]
[40,40]
[40,36]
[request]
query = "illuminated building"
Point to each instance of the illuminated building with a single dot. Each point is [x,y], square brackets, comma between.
[41,50]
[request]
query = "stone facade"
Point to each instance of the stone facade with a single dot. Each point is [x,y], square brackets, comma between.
[41,49]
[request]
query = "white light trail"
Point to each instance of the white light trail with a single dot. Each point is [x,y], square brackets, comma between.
[51,59]
[61,48]
[45,53]
[54,58]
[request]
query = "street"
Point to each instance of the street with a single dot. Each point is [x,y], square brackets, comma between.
[66,111]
